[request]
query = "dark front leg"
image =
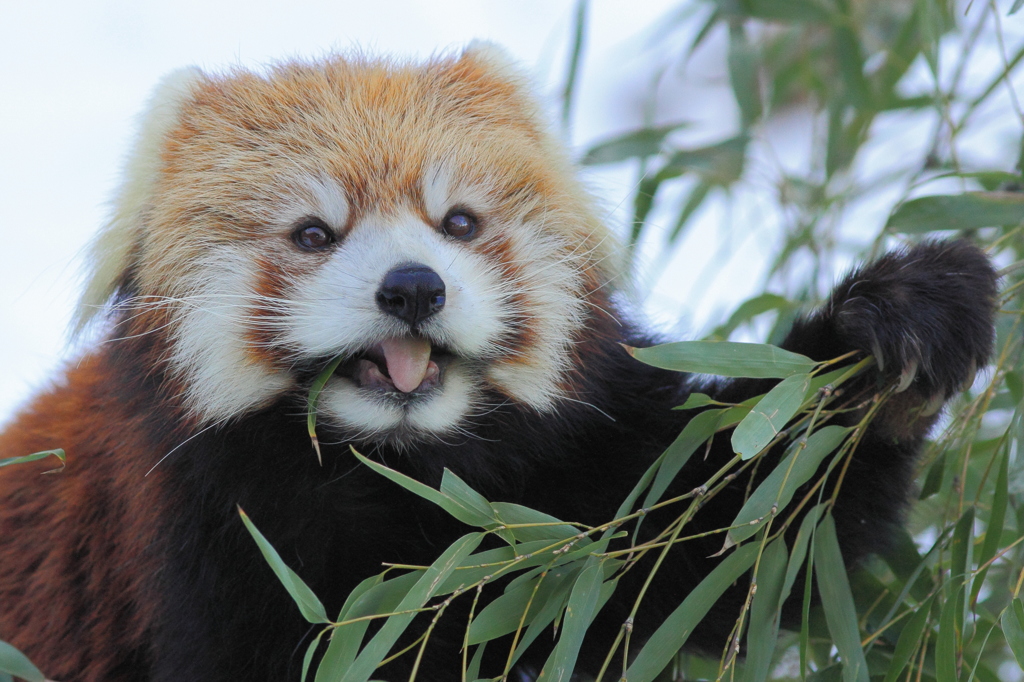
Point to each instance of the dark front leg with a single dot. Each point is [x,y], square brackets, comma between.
[926,315]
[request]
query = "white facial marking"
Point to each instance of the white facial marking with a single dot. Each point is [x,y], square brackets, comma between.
[441,193]
[458,393]
[329,309]
[307,196]
[555,310]
[338,312]
[210,346]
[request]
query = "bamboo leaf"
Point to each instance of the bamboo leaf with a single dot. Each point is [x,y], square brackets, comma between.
[579,613]
[473,670]
[410,484]
[307,660]
[308,603]
[642,204]
[930,27]
[425,588]
[743,63]
[790,10]
[16,663]
[837,601]
[672,634]
[946,645]
[579,31]
[543,620]
[908,565]
[770,415]
[473,569]
[466,515]
[1017,4]
[902,50]
[314,397]
[508,512]
[693,201]
[990,180]
[1015,385]
[731,416]
[994,528]
[799,553]
[909,641]
[380,598]
[694,434]
[696,400]
[718,164]
[795,469]
[933,481]
[550,610]
[713,20]
[635,144]
[503,615]
[357,592]
[850,58]
[958,212]
[383,596]
[750,309]
[960,550]
[457,490]
[35,456]
[1013,630]
[344,641]
[765,611]
[846,128]
[725,358]
[645,481]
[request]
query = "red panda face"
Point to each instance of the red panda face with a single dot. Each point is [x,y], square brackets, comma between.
[417,223]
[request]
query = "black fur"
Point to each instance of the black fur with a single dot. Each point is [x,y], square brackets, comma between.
[225,616]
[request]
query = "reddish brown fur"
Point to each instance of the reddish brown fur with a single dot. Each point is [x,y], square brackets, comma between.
[78,561]
[273,283]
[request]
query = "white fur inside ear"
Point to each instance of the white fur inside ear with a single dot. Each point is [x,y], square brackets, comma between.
[110,251]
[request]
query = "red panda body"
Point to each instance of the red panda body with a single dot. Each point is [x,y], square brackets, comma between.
[419,223]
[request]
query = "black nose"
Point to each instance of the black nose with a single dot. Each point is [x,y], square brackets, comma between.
[412,293]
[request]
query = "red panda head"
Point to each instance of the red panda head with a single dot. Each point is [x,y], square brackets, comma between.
[416,221]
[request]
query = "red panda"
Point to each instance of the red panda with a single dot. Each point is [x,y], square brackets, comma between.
[421,223]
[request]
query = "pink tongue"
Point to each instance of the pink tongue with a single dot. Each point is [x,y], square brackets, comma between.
[407,360]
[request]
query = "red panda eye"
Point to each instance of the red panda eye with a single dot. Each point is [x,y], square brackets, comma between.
[312,235]
[459,224]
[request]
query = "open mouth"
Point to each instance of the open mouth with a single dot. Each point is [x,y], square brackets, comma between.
[406,365]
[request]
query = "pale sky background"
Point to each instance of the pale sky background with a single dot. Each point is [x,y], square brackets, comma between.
[75,74]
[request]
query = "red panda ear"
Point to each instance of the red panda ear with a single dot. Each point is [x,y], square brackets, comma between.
[111,252]
[496,59]
[495,72]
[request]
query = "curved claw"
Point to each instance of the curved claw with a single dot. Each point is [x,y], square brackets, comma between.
[971,374]
[876,350]
[907,376]
[934,404]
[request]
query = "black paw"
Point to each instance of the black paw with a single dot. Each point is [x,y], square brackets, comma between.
[925,313]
